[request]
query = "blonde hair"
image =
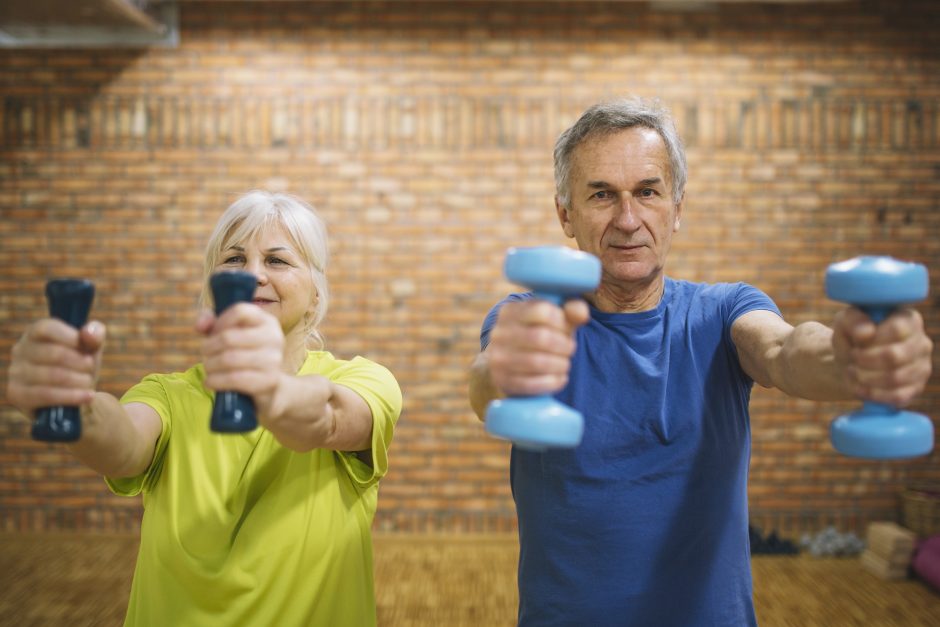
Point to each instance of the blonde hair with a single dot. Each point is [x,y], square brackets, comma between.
[257,210]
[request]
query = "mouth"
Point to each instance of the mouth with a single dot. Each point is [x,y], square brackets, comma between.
[262,301]
[627,247]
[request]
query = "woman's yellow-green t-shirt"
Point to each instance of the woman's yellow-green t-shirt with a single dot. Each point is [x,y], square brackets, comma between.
[239,530]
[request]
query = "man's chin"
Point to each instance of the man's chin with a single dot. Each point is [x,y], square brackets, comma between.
[630,271]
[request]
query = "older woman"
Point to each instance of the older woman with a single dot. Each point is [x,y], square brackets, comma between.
[269,527]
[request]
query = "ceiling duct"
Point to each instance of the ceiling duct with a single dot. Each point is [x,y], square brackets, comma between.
[88,23]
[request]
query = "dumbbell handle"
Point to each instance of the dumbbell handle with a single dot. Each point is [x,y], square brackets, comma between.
[69,301]
[556,299]
[232,412]
[877,314]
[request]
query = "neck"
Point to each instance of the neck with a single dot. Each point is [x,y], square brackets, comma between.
[295,352]
[628,298]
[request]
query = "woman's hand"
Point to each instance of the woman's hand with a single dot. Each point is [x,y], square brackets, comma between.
[55,364]
[244,352]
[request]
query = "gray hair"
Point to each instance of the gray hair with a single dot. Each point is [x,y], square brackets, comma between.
[256,210]
[610,117]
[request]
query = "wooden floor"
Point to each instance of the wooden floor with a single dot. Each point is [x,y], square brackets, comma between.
[462,581]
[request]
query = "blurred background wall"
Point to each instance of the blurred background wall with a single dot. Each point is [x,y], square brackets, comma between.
[423,133]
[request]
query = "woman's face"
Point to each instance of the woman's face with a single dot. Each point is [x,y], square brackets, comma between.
[285,286]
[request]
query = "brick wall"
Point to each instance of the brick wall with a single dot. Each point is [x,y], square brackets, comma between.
[424,134]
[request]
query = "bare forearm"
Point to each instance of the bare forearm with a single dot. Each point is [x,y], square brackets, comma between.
[806,365]
[312,412]
[481,389]
[110,443]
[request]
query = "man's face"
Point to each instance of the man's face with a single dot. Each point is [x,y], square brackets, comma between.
[621,206]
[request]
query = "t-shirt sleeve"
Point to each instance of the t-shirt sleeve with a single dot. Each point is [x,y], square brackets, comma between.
[381,392]
[746,298]
[490,321]
[152,392]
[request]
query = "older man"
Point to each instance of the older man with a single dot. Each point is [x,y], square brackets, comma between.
[645,523]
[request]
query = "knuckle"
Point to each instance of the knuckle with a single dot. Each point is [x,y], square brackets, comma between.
[496,359]
[498,335]
[900,398]
[540,337]
[570,348]
[896,355]
[927,344]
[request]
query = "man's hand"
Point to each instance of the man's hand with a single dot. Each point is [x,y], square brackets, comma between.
[887,363]
[531,346]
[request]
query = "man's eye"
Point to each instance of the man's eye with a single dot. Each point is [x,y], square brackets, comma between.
[648,192]
[603,195]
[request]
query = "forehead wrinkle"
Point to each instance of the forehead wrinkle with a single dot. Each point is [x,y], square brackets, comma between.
[636,144]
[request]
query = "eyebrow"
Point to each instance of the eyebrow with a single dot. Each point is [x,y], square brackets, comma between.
[654,180]
[275,249]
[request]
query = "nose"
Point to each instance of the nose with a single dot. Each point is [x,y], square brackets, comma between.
[626,218]
[257,268]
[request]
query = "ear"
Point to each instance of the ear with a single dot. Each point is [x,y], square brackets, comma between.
[563,218]
[314,303]
[675,226]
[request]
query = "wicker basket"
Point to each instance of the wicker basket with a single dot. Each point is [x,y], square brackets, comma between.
[921,509]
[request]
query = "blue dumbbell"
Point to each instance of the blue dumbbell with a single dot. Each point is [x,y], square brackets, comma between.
[70,301]
[232,412]
[555,274]
[877,285]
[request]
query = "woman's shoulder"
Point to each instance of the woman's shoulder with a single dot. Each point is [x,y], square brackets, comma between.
[192,377]
[324,362]
[359,373]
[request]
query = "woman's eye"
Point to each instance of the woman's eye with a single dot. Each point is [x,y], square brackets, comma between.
[234,259]
[276,260]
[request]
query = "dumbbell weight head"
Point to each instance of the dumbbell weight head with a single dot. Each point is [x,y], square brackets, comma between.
[871,282]
[535,423]
[554,273]
[231,287]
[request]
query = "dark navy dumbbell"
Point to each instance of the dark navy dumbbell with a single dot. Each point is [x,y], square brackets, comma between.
[555,274]
[69,301]
[232,412]
[877,285]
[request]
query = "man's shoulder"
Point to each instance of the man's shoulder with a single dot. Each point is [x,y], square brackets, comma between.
[701,289]
[733,299]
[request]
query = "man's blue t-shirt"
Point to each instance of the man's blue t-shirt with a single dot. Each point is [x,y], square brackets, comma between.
[645,523]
